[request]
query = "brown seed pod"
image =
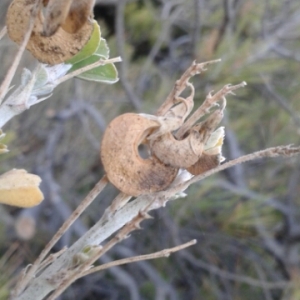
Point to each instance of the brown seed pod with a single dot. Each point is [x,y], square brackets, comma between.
[55,15]
[212,153]
[71,15]
[205,163]
[178,153]
[124,166]
[51,50]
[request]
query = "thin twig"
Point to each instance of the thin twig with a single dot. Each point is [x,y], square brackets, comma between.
[3,32]
[119,201]
[100,62]
[76,213]
[8,254]
[284,151]
[283,103]
[101,231]
[181,84]
[209,102]
[11,72]
[162,253]
[171,13]
[50,259]
[235,277]
[196,26]
[120,41]
[121,235]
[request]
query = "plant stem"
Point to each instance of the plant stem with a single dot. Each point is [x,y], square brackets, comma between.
[74,216]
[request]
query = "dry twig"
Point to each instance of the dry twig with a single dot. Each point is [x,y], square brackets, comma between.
[76,213]
[3,32]
[208,103]
[11,72]
[181,84]
[123,217]
[154,255]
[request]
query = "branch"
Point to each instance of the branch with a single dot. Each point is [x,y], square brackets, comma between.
[11,72]
[181,84]
[284,151]
[162,253]
[76,213]
[235,277]
[3,32]
[123,70]
[208,103]
[105,227]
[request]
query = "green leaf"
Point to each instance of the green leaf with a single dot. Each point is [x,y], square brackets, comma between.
[103,49]
[107,73]
[90,48]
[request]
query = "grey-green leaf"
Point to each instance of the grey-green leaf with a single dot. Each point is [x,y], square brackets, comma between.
[103,49]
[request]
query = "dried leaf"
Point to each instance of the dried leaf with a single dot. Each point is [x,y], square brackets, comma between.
[19,188]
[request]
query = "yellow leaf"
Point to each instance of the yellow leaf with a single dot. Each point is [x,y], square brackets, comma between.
[19,188]
[3,149]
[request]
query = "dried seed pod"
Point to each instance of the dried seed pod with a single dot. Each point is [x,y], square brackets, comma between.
[124,166]
[71,15]
[51,50]
[205,163]
[212,153]
[178,153]
[55,15]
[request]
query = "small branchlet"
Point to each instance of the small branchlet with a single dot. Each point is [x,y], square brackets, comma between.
[182,83]
[85,264]
[51,258]
[155,255]
[209,102]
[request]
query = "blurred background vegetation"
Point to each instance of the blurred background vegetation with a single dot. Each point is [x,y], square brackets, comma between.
[246,219]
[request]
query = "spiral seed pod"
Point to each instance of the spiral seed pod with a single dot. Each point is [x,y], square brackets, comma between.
[125,168]
[178,153]
[205,163]
[71,15]
[52,50]
[212,153]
